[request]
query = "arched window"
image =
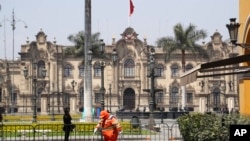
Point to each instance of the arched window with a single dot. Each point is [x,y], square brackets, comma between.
[81,71]
[174,97]
[189,67]
[67,70]
[160,70]
[216,98]
[129,68]
[97,70]
[174,70]
[41,66]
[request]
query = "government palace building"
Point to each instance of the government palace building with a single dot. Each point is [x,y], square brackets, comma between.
[126,80]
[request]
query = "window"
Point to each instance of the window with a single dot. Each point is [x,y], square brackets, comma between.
[14,98]
[41,66]
[81,71]
[174,96]
[81,97]
[189,98]
[129,68]
[216,98]
[174,70]
[97,97]
[160,70]
[189,67]
[159,98]
[97,71]
[67,70]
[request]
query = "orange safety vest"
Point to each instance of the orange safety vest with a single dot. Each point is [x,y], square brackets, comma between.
[110,128]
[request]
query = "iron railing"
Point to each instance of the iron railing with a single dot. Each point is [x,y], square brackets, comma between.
[51,131]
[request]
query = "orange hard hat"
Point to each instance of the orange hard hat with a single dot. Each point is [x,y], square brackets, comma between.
[104,114]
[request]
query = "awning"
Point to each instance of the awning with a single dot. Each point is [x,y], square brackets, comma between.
[192,75]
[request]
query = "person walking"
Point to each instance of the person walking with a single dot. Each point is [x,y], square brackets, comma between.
[68,126]
[109,126]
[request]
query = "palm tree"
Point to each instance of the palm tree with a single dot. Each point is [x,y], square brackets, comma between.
[184,40]
[79,48]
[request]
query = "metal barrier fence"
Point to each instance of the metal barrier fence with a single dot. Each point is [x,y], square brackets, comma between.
[84,131]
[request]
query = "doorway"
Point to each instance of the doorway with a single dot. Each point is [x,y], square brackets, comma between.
[129,99]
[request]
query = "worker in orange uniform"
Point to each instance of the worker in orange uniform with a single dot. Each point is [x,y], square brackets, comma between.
[109,126]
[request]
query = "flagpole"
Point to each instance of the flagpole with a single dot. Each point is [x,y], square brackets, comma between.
[131,10]
[129,13]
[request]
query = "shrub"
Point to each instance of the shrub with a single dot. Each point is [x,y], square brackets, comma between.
[202,127]
[209,127]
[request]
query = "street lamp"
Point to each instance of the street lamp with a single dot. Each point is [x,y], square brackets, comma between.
[34,89]
[161,110]
[114,55]
[57,77]
[102,64]
[90,55]
[152,90]
[233,28]
[115,60]
[13,22]
[152,104]
[110,97]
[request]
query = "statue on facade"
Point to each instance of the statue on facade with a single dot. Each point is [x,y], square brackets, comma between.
[231,85]
[201,84]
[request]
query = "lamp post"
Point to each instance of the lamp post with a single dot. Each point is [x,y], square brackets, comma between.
[152,76]
[102,64]
[90,54]
[110,97]
[115,60]
[233,30]
[114,56]
[53,110]
[13,22]
[53,94]
[161,109]
[34,88]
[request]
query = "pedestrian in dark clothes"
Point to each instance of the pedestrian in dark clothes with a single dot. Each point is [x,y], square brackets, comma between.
[68,126]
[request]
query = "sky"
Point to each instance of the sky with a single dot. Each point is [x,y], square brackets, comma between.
[152,19]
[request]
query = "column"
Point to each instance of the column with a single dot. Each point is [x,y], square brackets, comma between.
[44,106]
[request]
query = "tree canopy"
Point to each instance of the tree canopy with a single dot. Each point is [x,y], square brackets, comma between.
[78,40]
[184,40]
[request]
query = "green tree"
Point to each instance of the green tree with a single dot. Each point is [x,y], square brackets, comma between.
[184,40]
[78,40]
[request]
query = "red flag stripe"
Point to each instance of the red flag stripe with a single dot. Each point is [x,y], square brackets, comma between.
[131,8]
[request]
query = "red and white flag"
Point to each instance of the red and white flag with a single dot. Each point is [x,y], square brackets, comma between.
[131,6]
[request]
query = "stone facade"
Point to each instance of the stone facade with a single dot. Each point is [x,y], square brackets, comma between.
[125,80]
